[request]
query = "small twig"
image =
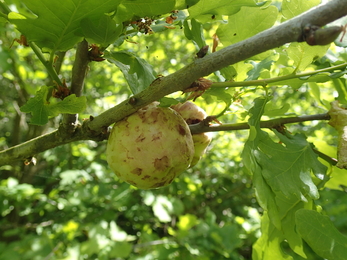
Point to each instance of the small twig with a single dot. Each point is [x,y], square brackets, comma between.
[48,65]
[51,254]
[264,82]
[79,72]
[202,127]
[326,158]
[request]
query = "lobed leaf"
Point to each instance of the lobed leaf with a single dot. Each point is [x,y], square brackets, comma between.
[254,73]
[205,9]
[42,110]
[103,32]
[303,54]
[195,33]
[129,10]
[320,233]
[282,178]
[138,73]
[57,24]
[293,8]
[258,19]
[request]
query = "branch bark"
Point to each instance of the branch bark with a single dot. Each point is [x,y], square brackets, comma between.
[289,31]
[79,70]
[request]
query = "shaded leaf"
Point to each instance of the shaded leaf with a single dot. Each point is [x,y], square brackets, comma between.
[129,9]
[42,110]
[167,102]
[220,7]
[282,180]
[195,33]
[104,32]
[320,233]
[138,73]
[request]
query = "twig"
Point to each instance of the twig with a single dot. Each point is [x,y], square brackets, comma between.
[79,72]
[48,65]
[264,82]
[51,254]
[202,127]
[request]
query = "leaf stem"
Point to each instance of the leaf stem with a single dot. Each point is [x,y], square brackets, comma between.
[264,82]
[48,64]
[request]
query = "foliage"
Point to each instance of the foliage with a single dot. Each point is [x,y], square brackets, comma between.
[257,193]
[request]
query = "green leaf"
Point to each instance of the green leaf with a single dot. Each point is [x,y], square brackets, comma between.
[258,20]
[303,54]
[42,110]
[57,24]
[104,32]
[204,9]
[195,33]
[287,166]
[293,8]
[272,111]
[167,102]
[282,179]
[138,73]
[121,250]
[254,73]
[134,9]
[268,245]
[320,233]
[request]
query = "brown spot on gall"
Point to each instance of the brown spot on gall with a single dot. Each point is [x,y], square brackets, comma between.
[161,164]
[137,171]
[181,130]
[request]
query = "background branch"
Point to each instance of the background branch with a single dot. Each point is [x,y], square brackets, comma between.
[289,31]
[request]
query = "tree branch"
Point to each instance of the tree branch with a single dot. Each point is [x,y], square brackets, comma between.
[289,31]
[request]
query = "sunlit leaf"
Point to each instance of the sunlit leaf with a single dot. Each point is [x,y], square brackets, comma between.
[41,109]
[254,73]
[258,20]
[303,54]
[292,8]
